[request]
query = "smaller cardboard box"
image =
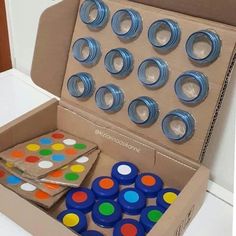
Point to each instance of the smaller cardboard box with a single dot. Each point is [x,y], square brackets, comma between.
[179,166]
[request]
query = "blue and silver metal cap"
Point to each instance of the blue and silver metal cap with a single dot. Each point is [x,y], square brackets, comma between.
[203,47]
[87,51]
[119,62]
[191,87]
[164,35]
[178,126]
[81,86]
[143,111]
[94,13]
[153,73]
[109,98]
[127,24]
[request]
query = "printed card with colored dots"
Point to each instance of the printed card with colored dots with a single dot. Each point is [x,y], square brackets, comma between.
[40,156]
[27,190]
[73,174]
[50,188]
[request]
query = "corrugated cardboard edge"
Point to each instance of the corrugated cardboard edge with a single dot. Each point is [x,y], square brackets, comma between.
[220,101]
[217,10]
[56,23]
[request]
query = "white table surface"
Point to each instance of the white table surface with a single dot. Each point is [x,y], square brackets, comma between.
[18,96]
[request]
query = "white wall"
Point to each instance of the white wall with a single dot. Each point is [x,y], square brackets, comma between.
[23,18]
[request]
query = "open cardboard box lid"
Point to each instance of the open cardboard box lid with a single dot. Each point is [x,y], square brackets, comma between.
[56,29]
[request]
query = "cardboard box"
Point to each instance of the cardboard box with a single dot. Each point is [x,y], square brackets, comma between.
[178,169]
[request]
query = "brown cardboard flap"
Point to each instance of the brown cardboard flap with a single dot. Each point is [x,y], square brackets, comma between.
[216,10]
[52,45]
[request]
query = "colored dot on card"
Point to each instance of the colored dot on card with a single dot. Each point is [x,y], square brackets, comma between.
[32,159]
[17,154]
[56,174]
[106,183]
[148,180]
[58,146]
[33,147]
[45,164]
[70,151]
[77,168]
[80,146]
[2,173]
[13,180]
[71,220]
[124,170]
[82,159]
[106,209]
[28,187]
[9,164]
[45,141]
[58,157]
[58,135]
[80,197]
[69,142]
[41,195]
[71,176]
[170,197]
[45,152]
[52,186]
[131,196]
[129,230]
[154,215]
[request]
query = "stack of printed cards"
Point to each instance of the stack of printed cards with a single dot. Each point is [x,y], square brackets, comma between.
[43,169]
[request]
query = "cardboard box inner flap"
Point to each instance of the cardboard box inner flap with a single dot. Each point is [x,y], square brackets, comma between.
[165,97]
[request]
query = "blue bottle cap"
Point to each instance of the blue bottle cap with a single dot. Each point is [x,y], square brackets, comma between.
[106,213]
[100,20]
[197,90]
[124,172]
[105,187]
[178,126]
[73,219]
[114,103]
[128,227]
[149,117]
[132,201]
[167,196]
[81,199]
[160,78]
[91,233]
[150,184]
[203,36]
[128,15]
[150,216]
[175,33]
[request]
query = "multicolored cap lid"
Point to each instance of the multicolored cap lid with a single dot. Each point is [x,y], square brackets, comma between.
[124,172]
[73,219]
[150,184]
[105,187]
[167,196]
[81,199]
[106,213]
